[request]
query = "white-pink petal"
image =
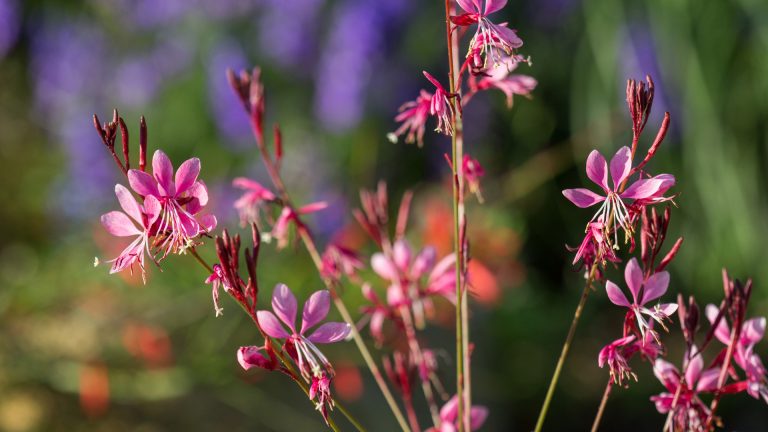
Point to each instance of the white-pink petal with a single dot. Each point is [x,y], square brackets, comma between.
[655,287]
[615,295]
[384,267]
[315,309]
[621,165]
[583,198]
[142,183]
[284,304]
[597,170]
[633,275]
[330,332]
[162,169]
[645,188]
[722,333]
[128,203]
[119,224]
[492,6]
[187,174]
[271,325]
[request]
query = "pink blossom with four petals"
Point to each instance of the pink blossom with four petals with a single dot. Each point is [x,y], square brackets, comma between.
[501,77]
[489,37]
[181,198]
[643,190]
[413,115]
[615,357]
[288,216]
[251,203]
[643,291]
[440,106]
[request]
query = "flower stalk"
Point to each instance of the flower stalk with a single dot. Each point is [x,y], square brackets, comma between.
[603,403]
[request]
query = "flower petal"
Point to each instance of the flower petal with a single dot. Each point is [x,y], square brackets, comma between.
[142,183]
[208,222]
[119,224]
[633,275]
[162,169]
[722,333]
[315,309]
[621,165]
[250,356]
[424,261]
[468,6]
[655,287]
[753,330]
[128,202]
[152,209]
[477,416]
[615,295]
[583,198]
[271,326]
[646,188]
[492,6]
[694,369]
[384,267]
[187,174]
[284,305]
[449,411]
[330,332]
[668,308]
[401,252]
[597,170]
[708,380]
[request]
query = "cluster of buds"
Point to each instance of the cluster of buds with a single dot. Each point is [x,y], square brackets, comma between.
[491,58]
[168,219]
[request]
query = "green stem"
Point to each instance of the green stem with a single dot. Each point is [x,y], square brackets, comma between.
[603,402]
[566,347]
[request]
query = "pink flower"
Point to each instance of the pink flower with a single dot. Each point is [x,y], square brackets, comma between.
[288,216]
[181,198]
[313,365]
[489,37]
[643,291]
[440,107]
[217,279]
[690,412]
[250,204]
[136,221]
[501,78]
[253,356]
[338,260]
[405,272]
[643,190]
[594,247]
[752,332]
[449,414]
[615,357]
[413,115]
[473,171]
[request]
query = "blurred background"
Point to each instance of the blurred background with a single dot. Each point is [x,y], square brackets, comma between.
[81,350]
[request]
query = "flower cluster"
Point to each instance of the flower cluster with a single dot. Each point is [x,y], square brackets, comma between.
[490,60]
[169,218]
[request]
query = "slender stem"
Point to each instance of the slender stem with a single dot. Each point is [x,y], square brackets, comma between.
[735,334]
[349,416]
[418,357]
[202,262]
[457,156]
[566,347]
[309,244]
[412,418]
[603,402]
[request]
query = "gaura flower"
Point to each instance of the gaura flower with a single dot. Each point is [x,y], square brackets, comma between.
[613,205]
[217,279]
[181,198]
[473,171]
[690,412]
[449,414]
[313,365]
[413,115]
[136,221]
[489,37]
[440,106]
[501,78]
[288,216]
[252,202]
[752,332]
[643,291]
[615,357]
[594,247]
